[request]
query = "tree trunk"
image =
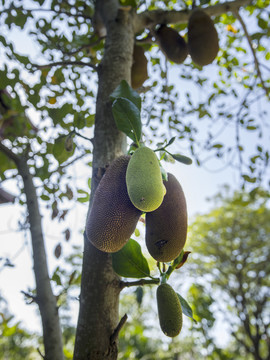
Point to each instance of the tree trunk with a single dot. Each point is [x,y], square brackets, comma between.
[45,298]
[100,287]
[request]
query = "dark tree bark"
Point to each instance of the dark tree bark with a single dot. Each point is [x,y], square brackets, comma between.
[100,287]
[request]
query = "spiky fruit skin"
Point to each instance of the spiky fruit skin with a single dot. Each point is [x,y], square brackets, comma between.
[169,310]
[144,180]
[139,67]
[112,218]
[166,227]
[202,38]
[172,44]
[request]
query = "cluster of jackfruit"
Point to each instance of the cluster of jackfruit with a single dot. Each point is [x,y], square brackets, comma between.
[202,42]
[132,185]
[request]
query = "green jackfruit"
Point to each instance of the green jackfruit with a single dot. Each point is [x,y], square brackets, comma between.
[172,44]
[166,227]
[112,218]
[144,180]
[202,38]
[139,67]
[169,310]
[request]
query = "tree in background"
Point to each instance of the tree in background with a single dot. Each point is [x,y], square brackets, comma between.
[231,254]
[47,107]
[15,342]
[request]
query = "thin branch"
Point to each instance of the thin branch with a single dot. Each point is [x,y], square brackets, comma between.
[29,296]
[64,63]
[61,167]
[257,65]
[116,332]
[9,153]
[85,46]
[148,19]
[141,282]
[83,137]
[40,353]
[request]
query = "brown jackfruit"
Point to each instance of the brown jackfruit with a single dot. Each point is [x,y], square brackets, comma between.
[172,44]
[112,218]
[139,67]
[166,227]
[202,38]
[169,310]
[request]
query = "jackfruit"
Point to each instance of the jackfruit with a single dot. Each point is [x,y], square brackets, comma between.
[144,180]
[139,67]
[112,218]
[166,227]
[172,44]
[169,310]
[202,38]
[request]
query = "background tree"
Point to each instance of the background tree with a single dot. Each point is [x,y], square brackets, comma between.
[230,253]
[55,88]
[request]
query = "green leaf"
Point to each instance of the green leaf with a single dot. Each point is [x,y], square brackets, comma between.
[217,146]
[137,232]
[56,277]
[84,198]
[185,307]
[45,197]
[59,150]
[171,141]
[125,91]
[181,158]
[130,262]
[127,118]
[249,179]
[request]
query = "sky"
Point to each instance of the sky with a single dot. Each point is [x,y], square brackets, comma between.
[198,184]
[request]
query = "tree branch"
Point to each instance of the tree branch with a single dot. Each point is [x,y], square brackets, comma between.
[148,19]
[64,63]
[85,46]
[9,153]
[29,296]
[257,65]
[118,328]
[141,282]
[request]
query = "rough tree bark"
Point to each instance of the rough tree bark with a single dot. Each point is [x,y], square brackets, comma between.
[52,336]
[100,286]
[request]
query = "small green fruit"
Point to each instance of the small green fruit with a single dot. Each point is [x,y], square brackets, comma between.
[169,310]
[144,180]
